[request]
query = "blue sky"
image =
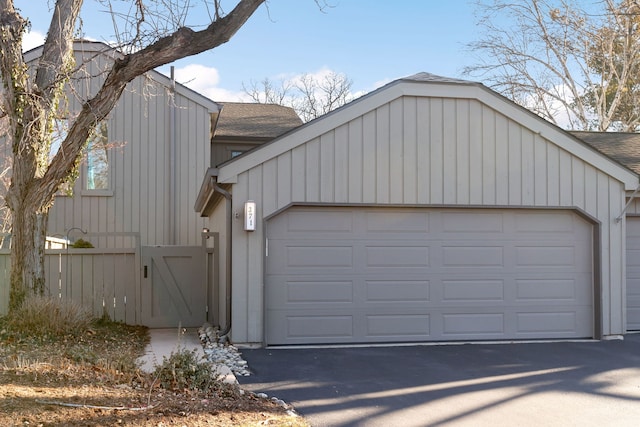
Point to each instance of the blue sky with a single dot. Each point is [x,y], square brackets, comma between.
[371,41]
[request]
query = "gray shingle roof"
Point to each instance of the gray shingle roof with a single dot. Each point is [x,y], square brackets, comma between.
[249,120]
[621,147]
[428,77]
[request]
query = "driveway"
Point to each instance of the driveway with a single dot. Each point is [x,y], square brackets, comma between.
[540,384]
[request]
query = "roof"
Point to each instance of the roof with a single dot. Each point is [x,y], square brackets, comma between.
[252,120]
[620,146]
[97,47]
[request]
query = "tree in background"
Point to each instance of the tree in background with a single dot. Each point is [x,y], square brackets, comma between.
[310,95]
[573,63]
[150,34]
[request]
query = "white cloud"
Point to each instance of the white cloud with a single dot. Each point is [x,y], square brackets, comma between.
[32,39]
[205,80]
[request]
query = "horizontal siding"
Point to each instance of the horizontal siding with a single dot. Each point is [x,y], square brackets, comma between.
[140,133]
[428,152]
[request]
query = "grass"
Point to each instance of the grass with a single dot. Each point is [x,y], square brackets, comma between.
[61,366]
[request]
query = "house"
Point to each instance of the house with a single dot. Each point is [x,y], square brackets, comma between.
[431,209]
[243,126]
[151,262]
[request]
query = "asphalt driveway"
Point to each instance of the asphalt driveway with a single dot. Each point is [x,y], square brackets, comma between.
[540,384]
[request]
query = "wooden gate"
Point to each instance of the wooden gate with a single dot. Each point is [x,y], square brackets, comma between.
[174,286]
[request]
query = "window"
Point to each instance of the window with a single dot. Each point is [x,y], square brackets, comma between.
[235,153]
[95,174]
[97,161]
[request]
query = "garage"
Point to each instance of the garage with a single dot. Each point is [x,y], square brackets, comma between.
[633,273]
[431,209]
[364,275]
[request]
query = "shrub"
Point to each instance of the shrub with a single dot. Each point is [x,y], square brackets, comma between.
[43,316]
[82,244]
[182,370]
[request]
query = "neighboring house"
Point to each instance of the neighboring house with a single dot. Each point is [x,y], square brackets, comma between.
[152,262]
[625,149]
[243,126]
[431,209]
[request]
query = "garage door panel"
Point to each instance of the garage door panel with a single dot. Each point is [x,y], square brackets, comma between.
[472,290]
[390,291]
[474,325]
[430,274]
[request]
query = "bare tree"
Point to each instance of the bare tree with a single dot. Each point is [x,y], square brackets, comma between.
[571,65]
[311,95]
[151,34]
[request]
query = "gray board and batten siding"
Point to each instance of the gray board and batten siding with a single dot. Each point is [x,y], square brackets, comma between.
[427,143]
[160,143]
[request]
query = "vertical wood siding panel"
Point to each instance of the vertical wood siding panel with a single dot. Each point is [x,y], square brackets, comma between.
[410,150]
[298,173]
[356,160]
[603,211]
[284,179]
[502,160]
[369,153]
[553,175]
[578,182]
[540,170]
[262,184]
[449,151]
[617,255]
[327,167]
[515,163]
[590,188]
[488,156]
[528,172]
[436,152]
[475,153]
[396,151]
[269,188]
[423,114]
[382,154]
[248,185]
[313,170]
[463,139]
[566,175]
[341,162]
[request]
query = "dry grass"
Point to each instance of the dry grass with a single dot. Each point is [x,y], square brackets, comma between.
[83,371]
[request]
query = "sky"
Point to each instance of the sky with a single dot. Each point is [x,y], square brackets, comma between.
[371,41]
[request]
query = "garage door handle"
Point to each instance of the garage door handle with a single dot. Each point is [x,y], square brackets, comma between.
[145,271]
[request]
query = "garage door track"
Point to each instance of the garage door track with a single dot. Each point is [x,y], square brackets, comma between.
[550,384]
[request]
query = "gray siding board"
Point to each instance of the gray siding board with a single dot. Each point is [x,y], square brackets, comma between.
[369,178]
[502,160]
[382,155]
[411,163]
[450,170]
[298,175]
[356,161]
[327,167]
[462,152]
[396,151]
[284,179]
[341,162]
[475,153]
[436,154]
[488,157]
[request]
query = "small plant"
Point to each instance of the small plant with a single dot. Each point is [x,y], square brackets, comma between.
[183,371]
[43,316]
[82,244]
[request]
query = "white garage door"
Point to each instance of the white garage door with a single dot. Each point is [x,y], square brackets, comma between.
[633,273]
[349,275]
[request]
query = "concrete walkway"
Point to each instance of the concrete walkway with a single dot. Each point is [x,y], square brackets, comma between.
[165,341]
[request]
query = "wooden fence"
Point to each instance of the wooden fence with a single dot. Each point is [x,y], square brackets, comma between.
[104,280]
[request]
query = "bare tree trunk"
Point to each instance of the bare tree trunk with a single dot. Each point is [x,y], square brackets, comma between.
[27,253]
